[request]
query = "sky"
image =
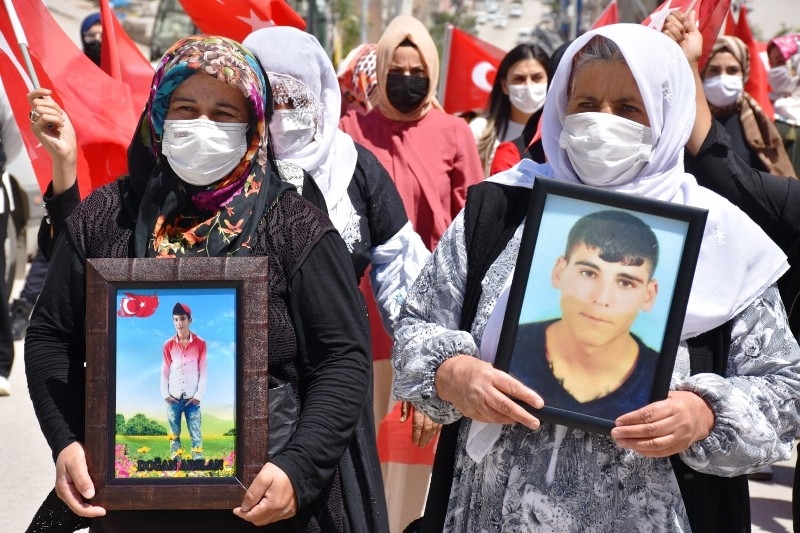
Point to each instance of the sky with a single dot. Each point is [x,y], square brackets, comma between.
[140,341]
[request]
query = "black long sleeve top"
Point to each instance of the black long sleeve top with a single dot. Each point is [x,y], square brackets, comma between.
[773,202]
[331,365]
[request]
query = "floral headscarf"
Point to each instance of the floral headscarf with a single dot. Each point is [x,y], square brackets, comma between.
[174,218]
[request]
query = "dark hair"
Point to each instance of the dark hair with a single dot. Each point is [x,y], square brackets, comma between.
[619,236]
[536,151]
[498,109]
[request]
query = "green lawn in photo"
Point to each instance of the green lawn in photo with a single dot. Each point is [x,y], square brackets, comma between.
[130,449]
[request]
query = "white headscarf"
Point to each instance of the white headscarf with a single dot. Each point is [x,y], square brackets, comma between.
[331,157]
[737,260]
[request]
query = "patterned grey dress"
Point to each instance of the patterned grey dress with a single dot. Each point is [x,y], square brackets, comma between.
[567,480]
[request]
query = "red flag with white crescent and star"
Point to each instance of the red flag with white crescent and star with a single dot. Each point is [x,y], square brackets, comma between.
[711,15]
[236,19]
[103,123]
[471,66]
[137,305]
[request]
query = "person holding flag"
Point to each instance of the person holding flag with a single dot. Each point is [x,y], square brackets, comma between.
[200,160]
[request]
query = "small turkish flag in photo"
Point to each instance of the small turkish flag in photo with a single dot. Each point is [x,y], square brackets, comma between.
[137,305]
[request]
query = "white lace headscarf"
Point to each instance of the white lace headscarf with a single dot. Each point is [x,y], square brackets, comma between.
[298,67]
[737,260]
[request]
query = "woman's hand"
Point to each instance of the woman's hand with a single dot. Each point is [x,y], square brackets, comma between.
[683,29]
[269,498]
[483,393]
[54,130]
[423,428]
[664,428]
[73,484]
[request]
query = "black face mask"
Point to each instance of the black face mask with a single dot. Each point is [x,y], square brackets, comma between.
[92,51]
[406,93]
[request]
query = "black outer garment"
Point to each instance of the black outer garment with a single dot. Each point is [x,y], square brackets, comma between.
[333,326]
[773,202]
[374,196]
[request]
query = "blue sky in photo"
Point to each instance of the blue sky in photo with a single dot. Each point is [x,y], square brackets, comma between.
[140,341]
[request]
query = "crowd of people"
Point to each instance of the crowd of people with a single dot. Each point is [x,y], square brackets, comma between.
[361,178]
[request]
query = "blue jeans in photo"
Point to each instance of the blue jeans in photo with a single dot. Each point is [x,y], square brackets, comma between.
[192,411]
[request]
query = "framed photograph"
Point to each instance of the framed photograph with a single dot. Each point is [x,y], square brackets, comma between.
[176,380]
[597,301]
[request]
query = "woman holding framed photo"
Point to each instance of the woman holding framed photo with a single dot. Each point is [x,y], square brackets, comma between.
[203,183]
[619,112]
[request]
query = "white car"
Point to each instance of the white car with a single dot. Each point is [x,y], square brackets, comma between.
[515,10]
[500,22]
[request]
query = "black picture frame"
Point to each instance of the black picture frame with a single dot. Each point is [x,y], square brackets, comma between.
[106,279]
[554,207]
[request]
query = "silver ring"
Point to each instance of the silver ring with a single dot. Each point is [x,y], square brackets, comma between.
[34,116]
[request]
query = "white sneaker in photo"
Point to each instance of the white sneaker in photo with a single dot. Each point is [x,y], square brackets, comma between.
[5,386]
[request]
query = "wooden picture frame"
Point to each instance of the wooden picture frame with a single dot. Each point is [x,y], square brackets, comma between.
[572,297]
[116,296]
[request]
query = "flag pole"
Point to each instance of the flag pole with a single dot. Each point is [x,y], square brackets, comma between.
[19,33]
[442,90]
[109,48]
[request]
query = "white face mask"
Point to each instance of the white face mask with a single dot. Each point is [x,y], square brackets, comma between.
[723,90]
[528,98]
[292,130]
[202,152]
[781,80]
[605,150]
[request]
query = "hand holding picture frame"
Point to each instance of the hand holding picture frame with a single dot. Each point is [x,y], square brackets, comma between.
[213,311]
[597,301]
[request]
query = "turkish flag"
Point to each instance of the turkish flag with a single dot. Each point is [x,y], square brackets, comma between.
[237,19]
[121,59]
[17,85]
[99,106]
[610,15]
[711,16]
[470,67]
[757,84]
[137,305]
